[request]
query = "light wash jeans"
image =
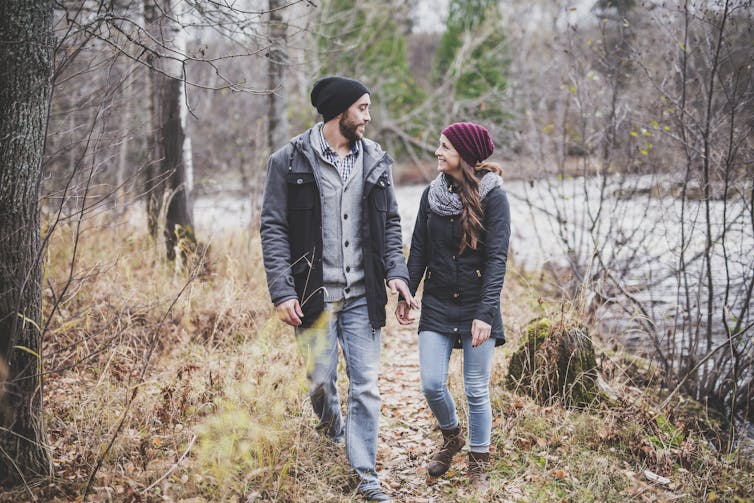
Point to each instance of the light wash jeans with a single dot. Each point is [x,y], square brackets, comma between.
[434,355]
[346,323]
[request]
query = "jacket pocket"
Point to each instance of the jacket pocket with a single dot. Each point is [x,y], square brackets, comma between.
[302,191]
[379,193]
[301,266]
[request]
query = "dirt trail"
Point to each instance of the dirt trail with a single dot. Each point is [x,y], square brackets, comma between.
[407,432]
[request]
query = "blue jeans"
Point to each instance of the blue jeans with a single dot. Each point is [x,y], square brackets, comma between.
[434,355]
[346,323]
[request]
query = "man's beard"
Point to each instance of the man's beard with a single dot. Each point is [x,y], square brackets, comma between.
[349,129]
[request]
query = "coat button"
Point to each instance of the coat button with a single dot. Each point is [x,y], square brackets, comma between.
[455,329]
[347,290]
[300,181]
[345,244]
[451,219]
[348,268]
[455,295]
[345,217]
[454,257]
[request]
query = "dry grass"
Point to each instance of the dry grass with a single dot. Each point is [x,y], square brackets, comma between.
[221,411]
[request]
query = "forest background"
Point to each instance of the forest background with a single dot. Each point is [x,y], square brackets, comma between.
[140,358]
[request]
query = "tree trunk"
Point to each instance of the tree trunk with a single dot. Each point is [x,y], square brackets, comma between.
[170,150]
[277,64]
[154,187]
[555,364]
[121,194]
[25,87]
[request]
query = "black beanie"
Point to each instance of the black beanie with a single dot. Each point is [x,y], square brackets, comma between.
[333,95]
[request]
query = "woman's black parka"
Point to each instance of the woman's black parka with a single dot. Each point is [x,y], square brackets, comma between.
[459,288]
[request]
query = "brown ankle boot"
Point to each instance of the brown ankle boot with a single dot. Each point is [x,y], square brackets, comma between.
[479,463]
[453,441]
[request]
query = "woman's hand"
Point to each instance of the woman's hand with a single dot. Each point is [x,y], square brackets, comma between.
[480,332]
[403,313]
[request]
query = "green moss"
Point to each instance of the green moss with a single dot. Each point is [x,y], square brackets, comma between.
[536,425]
[522,361]
[674,436]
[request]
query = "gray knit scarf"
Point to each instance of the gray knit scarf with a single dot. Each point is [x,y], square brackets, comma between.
[444,202]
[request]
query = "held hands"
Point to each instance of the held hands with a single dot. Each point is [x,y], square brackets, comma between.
[403,309]
[480,332]
[403,313]
[399,286]
[290,312]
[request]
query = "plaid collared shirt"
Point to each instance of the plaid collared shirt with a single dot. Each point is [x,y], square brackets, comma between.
[345,165]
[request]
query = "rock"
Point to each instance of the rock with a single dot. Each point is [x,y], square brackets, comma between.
[659,479]
[555,364]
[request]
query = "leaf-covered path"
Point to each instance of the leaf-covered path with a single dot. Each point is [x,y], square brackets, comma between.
[408,432]
[405,441]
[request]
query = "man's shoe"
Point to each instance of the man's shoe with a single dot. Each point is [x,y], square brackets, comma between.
[375,494]
[453,442]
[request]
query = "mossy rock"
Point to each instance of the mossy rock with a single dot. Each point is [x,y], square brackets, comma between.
[555,364]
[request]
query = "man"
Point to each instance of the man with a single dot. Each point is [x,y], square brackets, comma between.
[331,237]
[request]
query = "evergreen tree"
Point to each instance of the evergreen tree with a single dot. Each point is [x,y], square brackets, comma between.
[473,26]
[368,42]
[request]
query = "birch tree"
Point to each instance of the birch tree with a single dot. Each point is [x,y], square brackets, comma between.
[169,177]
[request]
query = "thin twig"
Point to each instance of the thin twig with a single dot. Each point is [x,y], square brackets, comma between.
[172,468]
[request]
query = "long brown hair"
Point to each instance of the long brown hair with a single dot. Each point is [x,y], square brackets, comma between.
[472,214]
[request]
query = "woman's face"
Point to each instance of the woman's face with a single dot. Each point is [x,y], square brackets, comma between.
[448,159]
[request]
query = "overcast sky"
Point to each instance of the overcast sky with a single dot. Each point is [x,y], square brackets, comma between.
[430,14]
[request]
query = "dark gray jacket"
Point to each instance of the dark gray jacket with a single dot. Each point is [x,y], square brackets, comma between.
[291,229]
[459,288]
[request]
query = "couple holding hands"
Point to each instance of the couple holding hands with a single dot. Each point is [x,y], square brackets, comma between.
[331,239]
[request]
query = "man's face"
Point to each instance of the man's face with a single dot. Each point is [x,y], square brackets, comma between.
[353,121]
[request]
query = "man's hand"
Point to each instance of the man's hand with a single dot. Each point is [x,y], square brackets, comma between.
[403,313]
[290,312]
[397,285]
[480,332]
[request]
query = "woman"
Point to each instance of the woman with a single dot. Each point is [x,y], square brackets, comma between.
[459,247]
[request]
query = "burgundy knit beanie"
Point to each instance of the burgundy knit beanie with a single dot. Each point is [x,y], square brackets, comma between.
[472,141]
